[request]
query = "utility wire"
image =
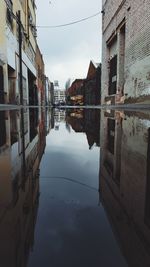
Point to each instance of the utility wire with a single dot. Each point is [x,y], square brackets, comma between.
[69,180]
[70,23]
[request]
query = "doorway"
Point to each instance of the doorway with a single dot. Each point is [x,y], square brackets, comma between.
[1,86]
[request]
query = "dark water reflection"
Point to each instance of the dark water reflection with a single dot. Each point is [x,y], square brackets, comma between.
[74,188]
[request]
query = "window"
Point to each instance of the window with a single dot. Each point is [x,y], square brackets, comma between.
[31,54]
[9,17]
[121,59]
[24,86]
[111,135]
[3,129]
[113,76]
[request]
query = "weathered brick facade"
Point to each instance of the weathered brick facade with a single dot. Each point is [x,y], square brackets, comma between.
[40,69]
[124,181]
[126,35]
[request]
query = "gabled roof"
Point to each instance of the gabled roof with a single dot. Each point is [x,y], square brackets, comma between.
[96,65]
[92,69]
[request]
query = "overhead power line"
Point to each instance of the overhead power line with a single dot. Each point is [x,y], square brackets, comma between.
[69,180]
[70,23]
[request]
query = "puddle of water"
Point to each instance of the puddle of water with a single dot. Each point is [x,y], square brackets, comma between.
[74,188]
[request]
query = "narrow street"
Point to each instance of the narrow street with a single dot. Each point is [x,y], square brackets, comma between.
[75,133]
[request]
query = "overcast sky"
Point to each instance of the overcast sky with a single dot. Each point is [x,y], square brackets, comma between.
[67,51]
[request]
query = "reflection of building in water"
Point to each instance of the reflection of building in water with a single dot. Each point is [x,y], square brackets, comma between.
[59,115]
[19,191]
[3,130]
[59,96]
[49,119]
[92,126]
[74,117]
[87,121]
[125,181]
[33,123]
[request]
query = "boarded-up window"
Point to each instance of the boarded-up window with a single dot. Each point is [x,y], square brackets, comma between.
[113,76]
[1,86]
[3,129]
[111,135]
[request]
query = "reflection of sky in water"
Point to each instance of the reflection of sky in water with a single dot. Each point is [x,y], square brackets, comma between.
[72,229]
[68,155]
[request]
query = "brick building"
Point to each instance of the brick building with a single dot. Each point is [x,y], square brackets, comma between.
[9,50]
[85,121]
[32,91]
[75,93]
[126,51]
[92,84]
[124,181]
[49,92]
[40,73]
[19,183]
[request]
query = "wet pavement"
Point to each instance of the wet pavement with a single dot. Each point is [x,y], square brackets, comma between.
[74,188]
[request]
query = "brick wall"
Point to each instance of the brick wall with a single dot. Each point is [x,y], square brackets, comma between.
[126,201]
[137,47]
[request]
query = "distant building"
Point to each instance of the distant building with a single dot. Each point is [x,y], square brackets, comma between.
[49,92]
[126,52]
[59,96]
[86,91]
[92,84]
[75,93]
[40,82]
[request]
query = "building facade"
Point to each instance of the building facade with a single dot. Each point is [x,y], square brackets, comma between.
[126,52]
[22,144]
[40,73]
[59,96]
[9,50]
[124,181]
[75,93]
[49,92]
[85,121]
[92,84]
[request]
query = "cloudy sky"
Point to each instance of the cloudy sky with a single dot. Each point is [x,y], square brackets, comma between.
[67,51]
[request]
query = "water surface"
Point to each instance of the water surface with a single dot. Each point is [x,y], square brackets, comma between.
[74,188]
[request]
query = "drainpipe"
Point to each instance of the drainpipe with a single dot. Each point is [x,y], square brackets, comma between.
[20,56]
[27,17]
